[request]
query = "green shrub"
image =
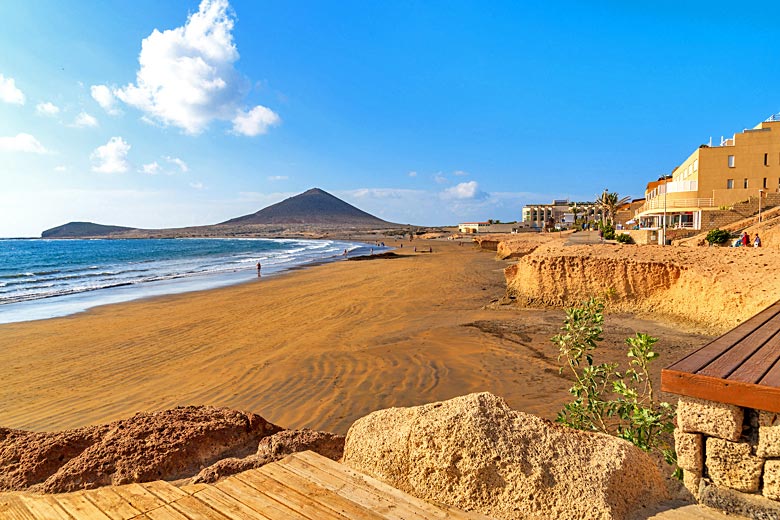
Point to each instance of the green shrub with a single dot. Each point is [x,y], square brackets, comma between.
[609,400]
[624,238]
[608,230]
[718,236]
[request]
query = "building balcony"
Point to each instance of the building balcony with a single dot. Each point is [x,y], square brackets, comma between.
[671,204]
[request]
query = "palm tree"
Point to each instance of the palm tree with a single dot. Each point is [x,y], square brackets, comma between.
[609,202]
[574,210]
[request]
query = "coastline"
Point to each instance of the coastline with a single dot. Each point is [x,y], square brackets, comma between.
[80,299]
[317,347]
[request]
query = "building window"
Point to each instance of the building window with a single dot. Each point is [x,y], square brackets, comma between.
[695,165]
[731,161]
[764,182]
[745,183]
[766,161]
[730,184]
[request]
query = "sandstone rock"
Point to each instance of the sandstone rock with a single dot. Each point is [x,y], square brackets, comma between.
[768,434]
[731,464]
[772,479]
[710,418]
[690,455]
[164,445]
[273,448]
[475,453]
[286,442]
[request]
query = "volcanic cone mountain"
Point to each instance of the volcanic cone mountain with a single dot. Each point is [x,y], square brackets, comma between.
[314,207]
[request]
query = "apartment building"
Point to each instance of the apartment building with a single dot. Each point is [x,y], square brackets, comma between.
[747,164]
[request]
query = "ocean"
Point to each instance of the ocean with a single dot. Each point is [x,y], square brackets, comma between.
[48,278]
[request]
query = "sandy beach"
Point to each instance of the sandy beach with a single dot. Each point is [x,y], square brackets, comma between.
[318,347]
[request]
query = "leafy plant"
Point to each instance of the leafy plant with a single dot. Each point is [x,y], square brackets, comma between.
[607,399]
[608,230]
[624,238]
[718,236]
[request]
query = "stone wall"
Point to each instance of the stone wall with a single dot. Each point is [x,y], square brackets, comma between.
[730,456]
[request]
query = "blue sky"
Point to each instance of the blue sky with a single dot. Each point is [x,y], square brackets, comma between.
[419,112]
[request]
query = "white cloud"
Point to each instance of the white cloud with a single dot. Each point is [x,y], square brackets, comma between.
[197,185]
[21,143]
[61,168]
[278,177]
[464,190]
[256,121]
[84,120]
[186,76]
[105,98]
[178,162]
[440,179]
[412,174]
[152,168]
[111,157]
[9,93]
[459,173]
[47,109]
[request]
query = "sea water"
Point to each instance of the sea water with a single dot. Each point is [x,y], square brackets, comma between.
[46,278]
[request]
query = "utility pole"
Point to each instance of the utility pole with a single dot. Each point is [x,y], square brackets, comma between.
[663,244]
[760,194]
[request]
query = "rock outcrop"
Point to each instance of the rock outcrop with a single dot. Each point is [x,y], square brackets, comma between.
[475,453]
[275,447]
[166,445]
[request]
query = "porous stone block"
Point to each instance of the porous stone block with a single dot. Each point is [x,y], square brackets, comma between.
[688,446]
[710,418]
[754,507]
[772,479]
[691,481]
[768,434]
[731,464]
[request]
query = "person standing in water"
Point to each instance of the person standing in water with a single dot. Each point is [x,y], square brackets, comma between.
[259,267]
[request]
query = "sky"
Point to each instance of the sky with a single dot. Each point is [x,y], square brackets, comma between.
[165,114]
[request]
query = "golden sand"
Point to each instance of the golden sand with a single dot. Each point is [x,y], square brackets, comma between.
[316,348]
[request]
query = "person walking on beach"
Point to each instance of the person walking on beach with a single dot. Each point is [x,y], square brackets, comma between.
[258,269]
[345,253]
[757,241]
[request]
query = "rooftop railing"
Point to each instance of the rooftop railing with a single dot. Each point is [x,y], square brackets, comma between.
[658,203]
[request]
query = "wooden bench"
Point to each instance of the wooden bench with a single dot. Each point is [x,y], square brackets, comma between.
[741,367]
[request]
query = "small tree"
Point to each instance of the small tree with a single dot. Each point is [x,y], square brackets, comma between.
[607,400]
[718,236]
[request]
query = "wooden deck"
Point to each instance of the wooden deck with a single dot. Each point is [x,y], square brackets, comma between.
[301,486]
[741,367]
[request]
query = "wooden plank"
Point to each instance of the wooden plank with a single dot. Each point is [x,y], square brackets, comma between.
[113,505]
[138,497]
[44,507]
[287,496]
[755,367]
[12,508]
[735,356]
[77,506]
[194,509]
[772,377]
[191,489]
[227,505]
[700,358]
[327,498]
[165,513]
[261,503]
[359,492]
[759,397]
[358,478]
[166,491]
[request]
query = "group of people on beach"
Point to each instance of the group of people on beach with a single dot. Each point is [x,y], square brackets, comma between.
[744,241]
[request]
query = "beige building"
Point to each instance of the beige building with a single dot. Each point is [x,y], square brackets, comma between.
[561,213]
[713,177]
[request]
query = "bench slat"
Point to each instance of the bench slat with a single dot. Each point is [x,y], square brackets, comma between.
[741,353]
[699,359]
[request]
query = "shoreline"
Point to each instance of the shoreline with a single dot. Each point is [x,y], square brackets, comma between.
[57,306]
[317,347]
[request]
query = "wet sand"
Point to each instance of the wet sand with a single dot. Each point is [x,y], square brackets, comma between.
[315,348]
